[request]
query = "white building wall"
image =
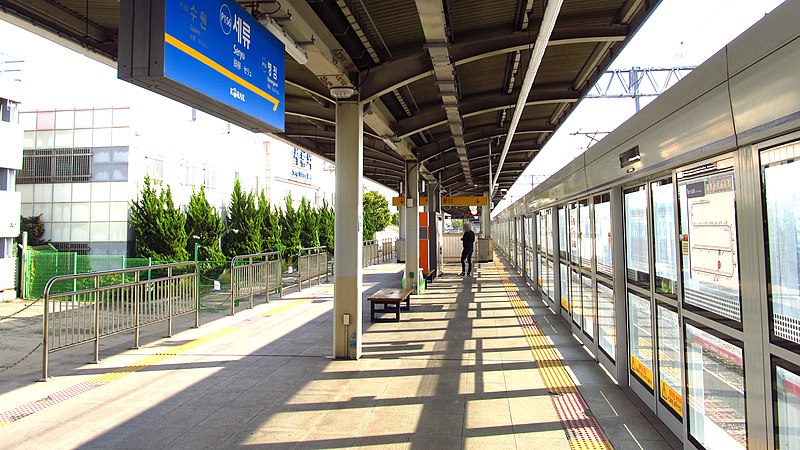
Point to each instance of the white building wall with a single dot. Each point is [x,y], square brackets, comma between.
[10,163]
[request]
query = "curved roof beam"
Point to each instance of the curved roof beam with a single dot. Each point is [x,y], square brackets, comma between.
[402,71]
[434,116]
[440,147]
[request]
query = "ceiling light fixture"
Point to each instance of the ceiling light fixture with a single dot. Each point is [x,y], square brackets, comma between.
[342,92]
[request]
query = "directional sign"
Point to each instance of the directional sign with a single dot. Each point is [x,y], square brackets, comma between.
[465,201]
[210,54]
[401,201]
[446,201]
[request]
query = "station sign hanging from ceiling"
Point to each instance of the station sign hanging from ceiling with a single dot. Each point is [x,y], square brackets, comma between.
[208,54]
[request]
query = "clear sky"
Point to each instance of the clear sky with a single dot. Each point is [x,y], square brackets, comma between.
[679,33]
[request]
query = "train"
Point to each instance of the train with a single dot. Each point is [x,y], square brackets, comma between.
[672,246]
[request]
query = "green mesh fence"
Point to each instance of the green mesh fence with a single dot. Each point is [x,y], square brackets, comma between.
[44,265]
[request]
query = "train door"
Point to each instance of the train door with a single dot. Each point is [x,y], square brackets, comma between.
[664,293]
[637,293]
[603,282]
[561,261]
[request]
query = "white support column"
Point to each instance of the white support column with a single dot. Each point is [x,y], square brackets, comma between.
[486,220]
[401,216]
[412,224]
[348,231]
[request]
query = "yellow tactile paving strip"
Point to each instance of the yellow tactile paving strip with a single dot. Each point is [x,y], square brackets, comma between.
[583,431]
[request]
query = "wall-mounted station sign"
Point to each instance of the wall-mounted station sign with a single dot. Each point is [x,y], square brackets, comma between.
[208,54]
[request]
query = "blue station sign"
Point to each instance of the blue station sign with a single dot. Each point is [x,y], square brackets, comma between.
[213,55]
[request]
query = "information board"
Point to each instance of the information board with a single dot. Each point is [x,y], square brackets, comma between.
[209,54]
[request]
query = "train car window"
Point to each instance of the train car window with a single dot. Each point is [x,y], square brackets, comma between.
[640,336]
[575,290]
[715,389]
[709,247]
[669,360]
[637,257]
[588,306]
[602,233]
[664,236]
[780,169]
[565,287]
[787,408]
[606,325]
[562,233]
[574,232]
[585,235]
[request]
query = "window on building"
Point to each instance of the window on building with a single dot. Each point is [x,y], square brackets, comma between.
[664,234]
[602,233]
[5,179]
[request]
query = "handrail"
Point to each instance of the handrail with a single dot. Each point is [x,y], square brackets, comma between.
[387,249]
[369,253]
[249,273]
[308,262]
[109,303]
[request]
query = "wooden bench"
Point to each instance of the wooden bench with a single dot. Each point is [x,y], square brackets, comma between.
[391,301]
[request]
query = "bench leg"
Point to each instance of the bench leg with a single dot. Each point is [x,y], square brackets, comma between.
[387,307]
[407,302]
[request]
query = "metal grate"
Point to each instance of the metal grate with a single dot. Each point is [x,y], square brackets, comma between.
[56,165]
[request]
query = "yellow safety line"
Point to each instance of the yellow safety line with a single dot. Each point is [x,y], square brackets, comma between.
[284,307]
[4,424]
[555,376]
[161,356]
[172,40]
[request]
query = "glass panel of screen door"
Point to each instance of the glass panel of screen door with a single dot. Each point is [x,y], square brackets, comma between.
[780,170]
[664,235]
[602,234]
[607,330]
[640,336]
[787,388]
[637,257]
[715,389]
[709,246]
[669,360]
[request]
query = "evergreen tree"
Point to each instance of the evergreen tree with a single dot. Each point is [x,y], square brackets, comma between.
[159,226]
[290,229]
[309,224]
[326,225]
[204,227]
[270,224]
[34,225]
[243,226]
[376,214]
[173,228]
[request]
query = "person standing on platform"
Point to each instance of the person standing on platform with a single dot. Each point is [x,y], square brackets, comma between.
[468,242]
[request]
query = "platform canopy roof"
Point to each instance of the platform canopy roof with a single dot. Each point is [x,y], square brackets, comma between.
[440,78]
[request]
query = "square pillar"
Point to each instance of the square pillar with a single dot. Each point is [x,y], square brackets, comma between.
[486,221]
[348,231]
[412,225]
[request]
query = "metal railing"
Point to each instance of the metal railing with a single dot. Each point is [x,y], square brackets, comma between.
[312,262]
[369,253]
[387,250]
[87,307]
[253,274]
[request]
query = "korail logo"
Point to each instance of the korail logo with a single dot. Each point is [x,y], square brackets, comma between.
[225,19]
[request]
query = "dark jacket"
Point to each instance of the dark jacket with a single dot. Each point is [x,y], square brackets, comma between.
[468,239]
